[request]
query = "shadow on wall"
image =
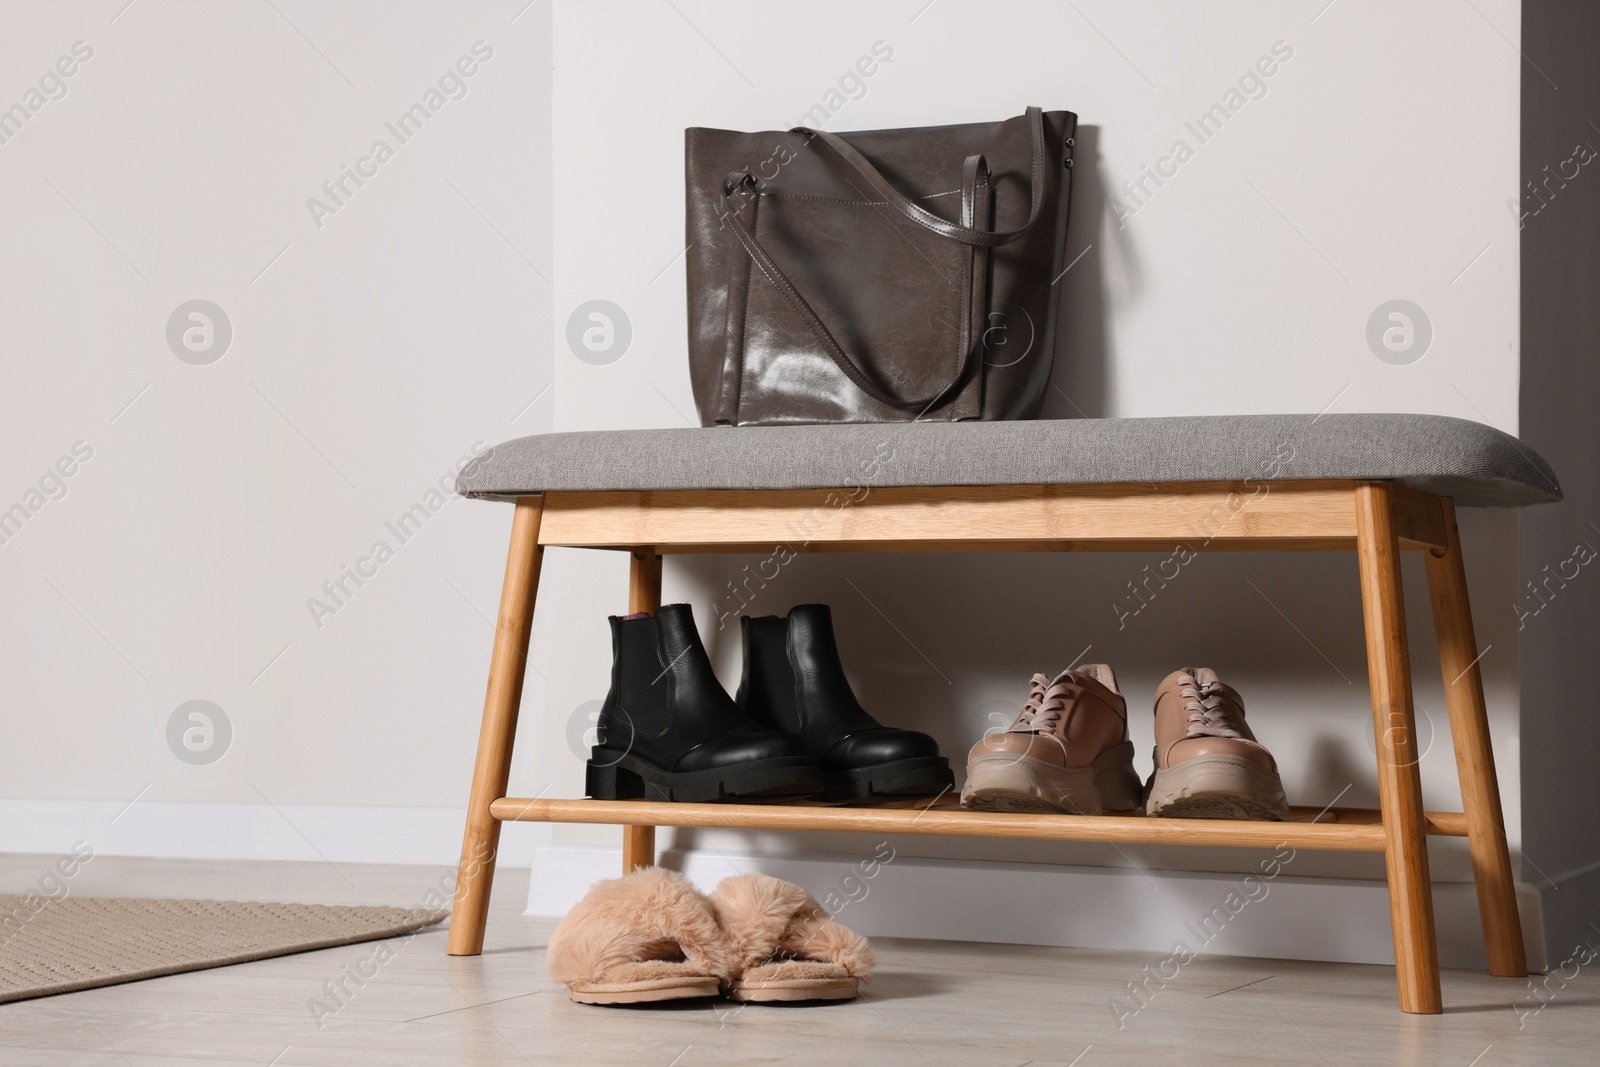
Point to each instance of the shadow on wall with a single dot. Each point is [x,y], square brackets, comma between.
[1078,382]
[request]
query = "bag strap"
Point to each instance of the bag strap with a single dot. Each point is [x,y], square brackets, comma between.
[975,172]
[966,234]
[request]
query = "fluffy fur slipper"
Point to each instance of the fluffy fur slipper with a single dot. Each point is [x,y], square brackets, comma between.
[784,946]
[650,935]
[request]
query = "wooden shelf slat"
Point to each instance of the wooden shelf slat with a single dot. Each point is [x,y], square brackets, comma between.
[1340,829]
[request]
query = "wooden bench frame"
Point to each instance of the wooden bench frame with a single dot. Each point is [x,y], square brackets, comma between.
[1378,520]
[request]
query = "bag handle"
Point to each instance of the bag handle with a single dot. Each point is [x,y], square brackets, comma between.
[975,180]
[966,234]
[975,174]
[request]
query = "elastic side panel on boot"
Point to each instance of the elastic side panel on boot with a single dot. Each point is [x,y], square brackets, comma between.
[767,690]
[828,703]
[639,667]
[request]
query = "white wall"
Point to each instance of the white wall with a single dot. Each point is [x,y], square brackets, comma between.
[1243,285]
[416,321]
[368,353]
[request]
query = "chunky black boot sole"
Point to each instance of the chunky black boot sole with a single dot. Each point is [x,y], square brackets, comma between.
[631,778]
[921,776]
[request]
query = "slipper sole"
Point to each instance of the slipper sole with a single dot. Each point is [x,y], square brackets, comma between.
[642,992]
[799,989]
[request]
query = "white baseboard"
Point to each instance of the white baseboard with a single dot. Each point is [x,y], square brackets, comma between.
[1343,921]
[342,833]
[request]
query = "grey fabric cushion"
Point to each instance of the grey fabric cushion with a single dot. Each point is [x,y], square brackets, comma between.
[1475,464]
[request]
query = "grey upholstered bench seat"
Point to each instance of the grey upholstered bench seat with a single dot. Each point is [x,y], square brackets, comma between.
[1475,464]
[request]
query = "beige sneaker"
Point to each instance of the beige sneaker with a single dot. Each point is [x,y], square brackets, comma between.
[1208,763]
[1068,751]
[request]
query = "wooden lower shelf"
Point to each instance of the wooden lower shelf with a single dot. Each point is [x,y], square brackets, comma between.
[1333,829]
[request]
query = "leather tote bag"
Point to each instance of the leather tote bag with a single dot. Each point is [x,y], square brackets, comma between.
[884,276]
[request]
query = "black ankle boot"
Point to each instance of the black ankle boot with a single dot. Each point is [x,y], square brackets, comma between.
[793,681]
[669,731]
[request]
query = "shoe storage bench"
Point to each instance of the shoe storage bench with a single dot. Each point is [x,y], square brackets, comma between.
[1379,485]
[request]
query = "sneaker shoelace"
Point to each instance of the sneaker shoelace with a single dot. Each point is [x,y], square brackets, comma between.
[1211,713]
[1046,704]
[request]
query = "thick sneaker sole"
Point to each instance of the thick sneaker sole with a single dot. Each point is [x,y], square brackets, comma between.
[920,776]
[1001,781]
[1217,787]
[627,777]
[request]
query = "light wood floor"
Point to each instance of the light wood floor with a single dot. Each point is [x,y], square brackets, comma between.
[933,1002]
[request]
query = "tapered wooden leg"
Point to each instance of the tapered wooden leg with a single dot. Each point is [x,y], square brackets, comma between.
[507,665]
[644,594]
[1399,778]
[638,847]
[1469,726]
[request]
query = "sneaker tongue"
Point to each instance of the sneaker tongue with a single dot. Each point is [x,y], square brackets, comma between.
[1204,675]
[1102,673]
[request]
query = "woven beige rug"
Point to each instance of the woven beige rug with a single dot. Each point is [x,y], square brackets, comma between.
[79,943]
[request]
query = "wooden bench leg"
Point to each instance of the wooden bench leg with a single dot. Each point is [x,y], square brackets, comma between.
[1416,954]
[644,594]
[1469,726]
[638,847]
[507,665]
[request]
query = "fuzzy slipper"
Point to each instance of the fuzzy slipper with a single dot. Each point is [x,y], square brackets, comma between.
[649,935]
[784,946]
